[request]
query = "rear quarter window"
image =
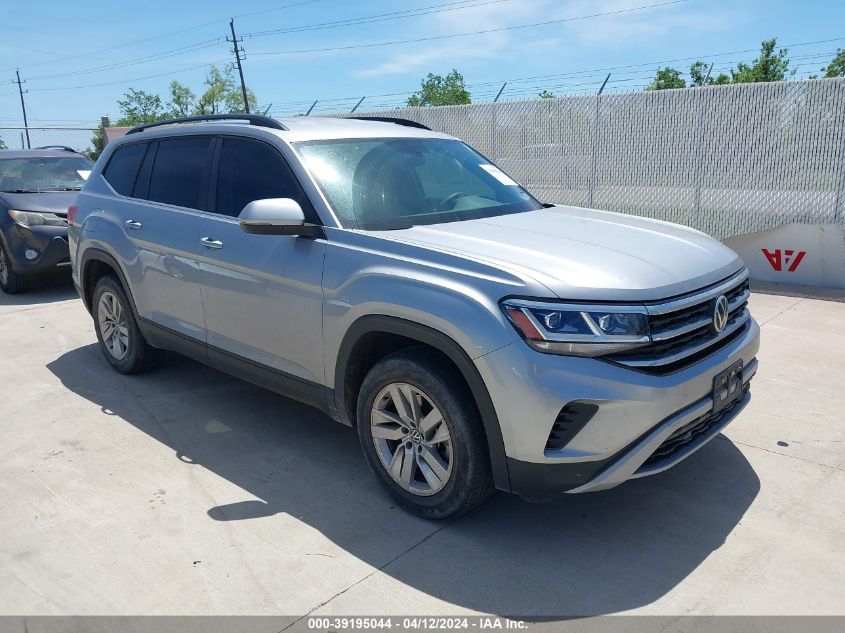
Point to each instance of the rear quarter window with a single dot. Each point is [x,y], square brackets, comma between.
[122,168]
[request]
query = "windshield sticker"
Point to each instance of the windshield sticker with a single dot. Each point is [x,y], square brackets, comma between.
[83,173]
[499,175]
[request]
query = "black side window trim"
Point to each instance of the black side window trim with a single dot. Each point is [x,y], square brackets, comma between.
[309,210]
[142,181]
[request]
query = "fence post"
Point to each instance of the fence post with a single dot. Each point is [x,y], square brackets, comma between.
[699,177]
[595,142]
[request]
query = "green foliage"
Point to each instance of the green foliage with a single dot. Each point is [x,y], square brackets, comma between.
[139,107]
[2,144]
[436,90]
[98,143]
[836,68]
[667,78]
[546,95]
[223,93]
[698,74]
[182,100]
[769,66]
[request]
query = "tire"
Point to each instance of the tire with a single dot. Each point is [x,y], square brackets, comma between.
[10,282]
[117,330]
[435,479]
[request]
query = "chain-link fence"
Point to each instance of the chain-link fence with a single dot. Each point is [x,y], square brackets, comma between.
[727,160]
[78,138]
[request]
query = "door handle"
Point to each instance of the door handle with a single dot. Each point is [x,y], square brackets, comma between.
[133,224]
[211,243]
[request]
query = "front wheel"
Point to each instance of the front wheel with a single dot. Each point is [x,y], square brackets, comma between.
[10,282]
[422,435]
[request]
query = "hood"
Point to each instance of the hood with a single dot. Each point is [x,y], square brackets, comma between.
[585,254]
[46,201]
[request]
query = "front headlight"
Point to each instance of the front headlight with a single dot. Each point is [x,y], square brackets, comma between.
[578,330]
[36,218]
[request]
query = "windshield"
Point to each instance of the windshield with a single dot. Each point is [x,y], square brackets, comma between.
[38,173]
[381,184]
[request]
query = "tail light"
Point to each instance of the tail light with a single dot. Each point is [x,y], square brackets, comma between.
[71,214]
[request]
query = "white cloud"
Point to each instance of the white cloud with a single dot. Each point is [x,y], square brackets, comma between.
[607,31]
[455,51]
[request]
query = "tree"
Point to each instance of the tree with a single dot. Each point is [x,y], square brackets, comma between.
[436,90]
[698,74]
[667,78]
[139,107]
[182,100]
[223,93]
[2,144]
[98,144]
[769,66]
[546,95]
[836,68]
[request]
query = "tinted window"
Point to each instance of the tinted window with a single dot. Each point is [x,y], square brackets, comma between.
[179,171]
[123,167]
[250,171]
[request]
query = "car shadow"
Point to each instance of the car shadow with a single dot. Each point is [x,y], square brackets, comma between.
[586,554]
[57,286]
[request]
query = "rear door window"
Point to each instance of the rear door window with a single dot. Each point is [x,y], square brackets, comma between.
[180,171]
[251,170]
[123,167]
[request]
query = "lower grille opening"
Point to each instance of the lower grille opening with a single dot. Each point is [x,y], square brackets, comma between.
[569,421]
[686,434]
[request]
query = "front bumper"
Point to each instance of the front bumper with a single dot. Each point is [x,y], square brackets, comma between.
[50,242]
[636,413]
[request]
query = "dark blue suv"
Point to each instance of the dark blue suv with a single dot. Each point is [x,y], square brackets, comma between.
[36,188]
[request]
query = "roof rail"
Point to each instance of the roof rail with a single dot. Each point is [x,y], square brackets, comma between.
[252,119]
[390,119]
[62,147]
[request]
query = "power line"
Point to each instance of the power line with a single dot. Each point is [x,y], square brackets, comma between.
[472,33]
[133,62]
[129,81]
[380,17]
[164,35]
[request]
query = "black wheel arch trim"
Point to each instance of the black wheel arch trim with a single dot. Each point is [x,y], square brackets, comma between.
[371,324]
[96,254]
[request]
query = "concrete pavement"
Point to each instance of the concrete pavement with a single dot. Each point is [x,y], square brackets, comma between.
[184,491]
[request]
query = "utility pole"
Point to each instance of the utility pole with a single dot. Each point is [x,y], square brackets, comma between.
[501,90]
[23,106]
[237,51]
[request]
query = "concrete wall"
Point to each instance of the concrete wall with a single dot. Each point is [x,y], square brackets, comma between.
[806,254]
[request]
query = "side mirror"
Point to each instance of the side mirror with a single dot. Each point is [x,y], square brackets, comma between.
[275,216]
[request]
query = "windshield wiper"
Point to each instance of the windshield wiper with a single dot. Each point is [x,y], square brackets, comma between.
[62,189]
[21,191]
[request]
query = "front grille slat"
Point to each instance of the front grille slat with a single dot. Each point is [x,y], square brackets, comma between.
[681,329]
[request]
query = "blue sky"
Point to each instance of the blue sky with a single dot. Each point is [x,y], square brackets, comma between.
[79,58]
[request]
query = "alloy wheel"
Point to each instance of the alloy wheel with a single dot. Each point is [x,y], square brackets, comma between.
[111,318]
[412,439]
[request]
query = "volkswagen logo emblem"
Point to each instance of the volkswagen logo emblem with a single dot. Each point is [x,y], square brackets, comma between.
[416,436]
[720,313]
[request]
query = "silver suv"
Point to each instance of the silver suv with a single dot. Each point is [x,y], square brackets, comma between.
[475,338]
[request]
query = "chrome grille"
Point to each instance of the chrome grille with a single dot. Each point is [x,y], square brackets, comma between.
[681,329]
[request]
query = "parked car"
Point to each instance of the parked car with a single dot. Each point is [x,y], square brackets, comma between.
[398,280]
[36,188]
